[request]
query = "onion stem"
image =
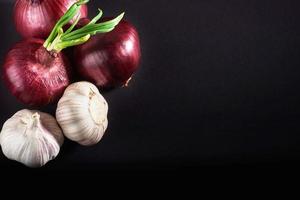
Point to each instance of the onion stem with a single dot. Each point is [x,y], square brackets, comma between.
[59,40]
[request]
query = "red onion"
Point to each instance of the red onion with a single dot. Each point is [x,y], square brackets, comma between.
[36,18]
[34,75]
[109,59]
[36,71]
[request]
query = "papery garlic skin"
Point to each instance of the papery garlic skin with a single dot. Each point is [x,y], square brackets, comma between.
[31,137]
[82,113]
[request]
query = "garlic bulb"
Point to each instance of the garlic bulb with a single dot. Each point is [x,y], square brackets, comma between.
[82,113]
[31,137]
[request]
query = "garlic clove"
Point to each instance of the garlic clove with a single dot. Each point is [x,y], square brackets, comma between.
[82,113]
[31,137]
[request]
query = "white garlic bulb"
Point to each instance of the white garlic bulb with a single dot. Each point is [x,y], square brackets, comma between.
[82,113]
[31,137]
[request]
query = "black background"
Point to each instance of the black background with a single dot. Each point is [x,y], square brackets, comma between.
[218,86]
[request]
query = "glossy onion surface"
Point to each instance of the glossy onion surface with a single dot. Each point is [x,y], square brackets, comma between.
[36,18]
[34,75]
[110,59]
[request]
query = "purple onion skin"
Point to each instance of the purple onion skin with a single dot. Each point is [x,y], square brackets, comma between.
[36,18]
[34,75]
[109,60]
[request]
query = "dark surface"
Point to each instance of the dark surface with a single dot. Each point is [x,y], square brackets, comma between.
[218,85]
